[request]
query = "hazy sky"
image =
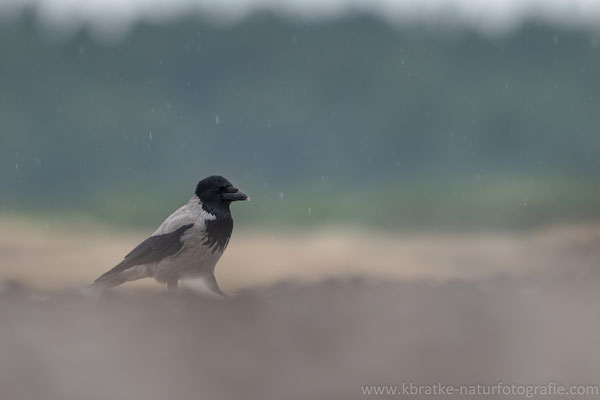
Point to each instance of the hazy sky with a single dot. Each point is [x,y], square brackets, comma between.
[115,16]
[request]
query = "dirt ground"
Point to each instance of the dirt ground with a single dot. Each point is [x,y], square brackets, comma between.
[443,309]
[58,257]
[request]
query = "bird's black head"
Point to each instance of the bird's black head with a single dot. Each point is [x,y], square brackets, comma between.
[217,193]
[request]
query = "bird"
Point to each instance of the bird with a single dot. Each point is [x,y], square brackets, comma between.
[187,245]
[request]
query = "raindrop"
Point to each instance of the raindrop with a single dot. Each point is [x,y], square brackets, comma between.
[217,120]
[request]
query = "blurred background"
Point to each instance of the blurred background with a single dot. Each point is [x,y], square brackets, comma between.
[379,118]
[424,179]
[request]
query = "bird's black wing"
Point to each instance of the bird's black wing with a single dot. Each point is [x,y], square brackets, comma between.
[154,248]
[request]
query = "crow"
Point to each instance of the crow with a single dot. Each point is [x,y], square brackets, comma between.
[187,245]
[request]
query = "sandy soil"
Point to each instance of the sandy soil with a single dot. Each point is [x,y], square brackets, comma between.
[321,341]
[464,310]
[57,257]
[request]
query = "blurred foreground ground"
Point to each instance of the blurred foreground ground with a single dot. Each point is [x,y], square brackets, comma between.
[464,309]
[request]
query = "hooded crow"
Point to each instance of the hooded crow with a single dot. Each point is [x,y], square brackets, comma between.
[187,244]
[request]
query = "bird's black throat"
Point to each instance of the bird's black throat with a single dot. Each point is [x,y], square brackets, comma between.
[218,230]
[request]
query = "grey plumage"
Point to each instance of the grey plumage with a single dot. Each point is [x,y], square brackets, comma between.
[188,244]
[153,249]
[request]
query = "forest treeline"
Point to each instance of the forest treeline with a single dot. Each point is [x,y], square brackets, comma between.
[351,120]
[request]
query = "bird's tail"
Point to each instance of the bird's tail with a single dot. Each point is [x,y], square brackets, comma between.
[107,281]
[120,274]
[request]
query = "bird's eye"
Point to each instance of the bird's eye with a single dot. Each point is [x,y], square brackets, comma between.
[217,190]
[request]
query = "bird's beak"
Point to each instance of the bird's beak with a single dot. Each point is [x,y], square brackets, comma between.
[234,194]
